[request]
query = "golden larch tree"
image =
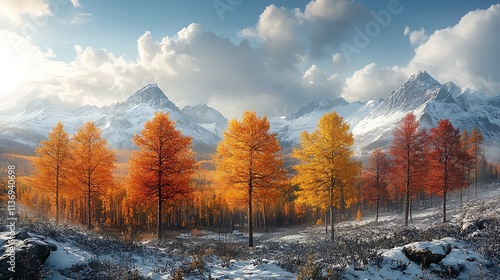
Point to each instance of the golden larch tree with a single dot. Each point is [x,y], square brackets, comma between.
[51,163]
[326,172]
[91,164]
[249,163]
[163,165]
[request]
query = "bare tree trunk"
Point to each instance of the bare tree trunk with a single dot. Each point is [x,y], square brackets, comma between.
[332,221]
[89,220]
[250,215]
[444,206]
[158,230]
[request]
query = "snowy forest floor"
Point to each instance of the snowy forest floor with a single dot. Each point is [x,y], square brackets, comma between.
[362,250]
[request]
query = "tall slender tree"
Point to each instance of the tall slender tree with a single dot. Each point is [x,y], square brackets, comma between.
[51,163]
[163,165]
[326,171]
[92,164]
[445,158]
[375,178]
[408,152]
[249,162]
[466,162]
[475,140]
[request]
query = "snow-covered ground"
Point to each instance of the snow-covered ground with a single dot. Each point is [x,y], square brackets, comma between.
[467,248]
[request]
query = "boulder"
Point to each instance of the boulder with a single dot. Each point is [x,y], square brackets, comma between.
[23,255]
[426,253]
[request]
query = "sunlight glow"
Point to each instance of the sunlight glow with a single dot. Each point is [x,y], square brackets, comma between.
[9,69]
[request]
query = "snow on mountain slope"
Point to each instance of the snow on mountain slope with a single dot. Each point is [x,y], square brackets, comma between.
[288,128]
[119,122]
[372,123]
[207,117]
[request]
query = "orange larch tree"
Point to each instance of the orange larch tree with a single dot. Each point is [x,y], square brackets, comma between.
[445,161]
[466,161]
[249,163]
[326,173]
[51,163]
[163,164]
[408,150]
[475,140]
[91,164]
[375,178]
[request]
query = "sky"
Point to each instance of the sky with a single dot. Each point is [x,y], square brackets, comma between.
[235,55]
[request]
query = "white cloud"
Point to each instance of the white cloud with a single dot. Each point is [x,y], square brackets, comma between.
[327,21]
[76,3]
[373,82]
[317,82]
[276,31]
[338,59]
[464,53]
[193,66]
[417,37]
[14,10]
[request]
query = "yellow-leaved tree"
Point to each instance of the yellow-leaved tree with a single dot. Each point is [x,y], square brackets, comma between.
[163,165]
[326,172]
[91,164]
[51,163]
[249,163]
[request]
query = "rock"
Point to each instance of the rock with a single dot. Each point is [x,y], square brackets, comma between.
[426,253]
[23,256]
[472,226]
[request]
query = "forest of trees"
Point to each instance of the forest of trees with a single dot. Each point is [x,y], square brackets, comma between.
[249,182]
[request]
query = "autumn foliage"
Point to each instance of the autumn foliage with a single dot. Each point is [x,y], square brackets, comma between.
[326,172]
[408,150]
[52,164]
[375,179]
[91,165]
[162,167]
[163,184]
[445,161]
[249,164]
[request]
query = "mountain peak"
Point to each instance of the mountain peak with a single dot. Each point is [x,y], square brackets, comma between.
[319,105]
[147,93]
[417,91]
[422,77]
[37,105]
[152,95]
[202,113]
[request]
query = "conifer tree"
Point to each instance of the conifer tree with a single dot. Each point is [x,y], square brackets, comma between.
[51,163]
[91,164]
[163,165]
[326,171]
[249,163]
[408,150]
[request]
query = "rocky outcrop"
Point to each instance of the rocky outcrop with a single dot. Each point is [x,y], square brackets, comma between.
[23,255]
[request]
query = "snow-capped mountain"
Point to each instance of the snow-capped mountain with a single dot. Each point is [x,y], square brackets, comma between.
[372,123]
[288,128]
[209,118]
[119,122]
